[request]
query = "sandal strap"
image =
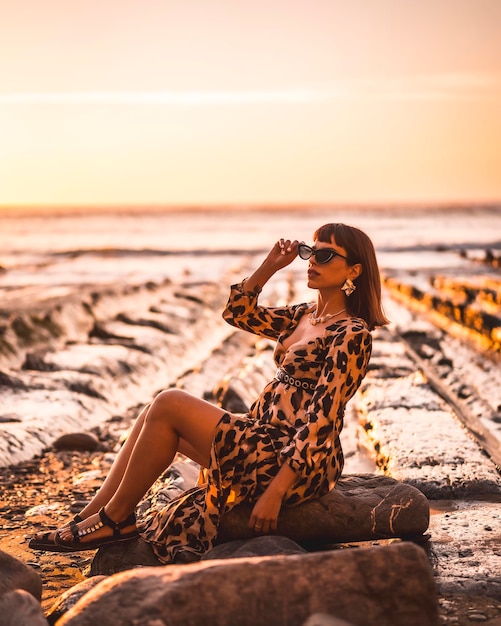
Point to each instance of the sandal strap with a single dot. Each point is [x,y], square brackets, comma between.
[74,530]
[90,529]
[116,526]
[106,519]
[129,521]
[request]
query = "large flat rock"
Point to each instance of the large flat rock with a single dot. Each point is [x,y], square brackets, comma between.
[128,345]
[465,547]
[415,434]
[386,585]
[360,508]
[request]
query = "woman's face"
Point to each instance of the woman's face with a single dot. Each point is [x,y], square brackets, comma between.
[331,274]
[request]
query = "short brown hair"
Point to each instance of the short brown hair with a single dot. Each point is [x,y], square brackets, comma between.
[365,301]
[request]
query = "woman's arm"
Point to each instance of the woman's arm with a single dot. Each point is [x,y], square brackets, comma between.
[281,255]
[242,309]
[264,515]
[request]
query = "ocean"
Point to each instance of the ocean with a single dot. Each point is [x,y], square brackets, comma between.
[60,248]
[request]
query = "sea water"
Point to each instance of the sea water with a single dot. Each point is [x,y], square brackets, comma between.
[68,247]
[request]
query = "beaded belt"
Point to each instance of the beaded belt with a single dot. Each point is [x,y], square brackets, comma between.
[300,383]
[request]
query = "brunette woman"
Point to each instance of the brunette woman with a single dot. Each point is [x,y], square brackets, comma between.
[287,448]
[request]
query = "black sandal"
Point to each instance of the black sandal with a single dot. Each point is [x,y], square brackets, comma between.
[43,542]
[76,545]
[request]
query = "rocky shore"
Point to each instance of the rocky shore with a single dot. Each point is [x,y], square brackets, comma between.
[427,416]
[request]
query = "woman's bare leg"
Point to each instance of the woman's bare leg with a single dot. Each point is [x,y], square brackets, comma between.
[115,475]
[117,470]
[174,420]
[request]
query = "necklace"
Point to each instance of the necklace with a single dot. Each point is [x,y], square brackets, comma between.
[320,320]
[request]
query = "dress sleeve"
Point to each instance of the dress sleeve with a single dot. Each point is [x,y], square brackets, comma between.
[344,368]
[243,311]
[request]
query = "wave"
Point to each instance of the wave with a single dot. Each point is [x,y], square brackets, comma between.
[389,208]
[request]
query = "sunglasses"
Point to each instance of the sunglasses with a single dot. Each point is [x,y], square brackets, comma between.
[322,255]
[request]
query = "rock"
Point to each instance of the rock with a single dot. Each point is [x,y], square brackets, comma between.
[19,608]
[360,508]
[385,585]
[70,598]
[14,574]
[322,619]
[93,372]
[36,362]
[76,441]
[229,399]
[476,616]
[42,509]
[267,545]
[236,392]
[119,557]
[416,434]
[466,559]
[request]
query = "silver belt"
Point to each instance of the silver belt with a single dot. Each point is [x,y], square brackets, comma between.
[300,383]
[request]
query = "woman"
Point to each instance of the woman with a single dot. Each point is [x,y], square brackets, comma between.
[286,449]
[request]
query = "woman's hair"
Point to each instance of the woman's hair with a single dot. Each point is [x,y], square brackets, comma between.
[365,301]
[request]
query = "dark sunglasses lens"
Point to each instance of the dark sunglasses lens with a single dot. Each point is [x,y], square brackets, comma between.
[305,252]
[324,256]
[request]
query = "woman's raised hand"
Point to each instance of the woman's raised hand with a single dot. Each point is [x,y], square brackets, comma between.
[283,253]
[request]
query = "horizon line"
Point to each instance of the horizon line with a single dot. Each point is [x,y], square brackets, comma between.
[283,205]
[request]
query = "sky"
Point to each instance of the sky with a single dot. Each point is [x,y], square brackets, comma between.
[137,102]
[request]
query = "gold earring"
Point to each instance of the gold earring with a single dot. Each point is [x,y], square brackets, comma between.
[348,287]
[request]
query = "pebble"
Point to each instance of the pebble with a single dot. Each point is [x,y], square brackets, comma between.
[475,616]
[42,509]
[87,476]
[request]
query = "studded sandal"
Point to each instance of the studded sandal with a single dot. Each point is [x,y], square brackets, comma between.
[45,542]
[76,545]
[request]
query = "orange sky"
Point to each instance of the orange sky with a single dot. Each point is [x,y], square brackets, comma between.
[185,101]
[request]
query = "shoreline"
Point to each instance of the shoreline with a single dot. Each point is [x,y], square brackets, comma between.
[393,206]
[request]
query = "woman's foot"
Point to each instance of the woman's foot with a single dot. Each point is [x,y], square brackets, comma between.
[94,532]
[47,540]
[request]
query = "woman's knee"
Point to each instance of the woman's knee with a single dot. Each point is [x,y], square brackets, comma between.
[167,403]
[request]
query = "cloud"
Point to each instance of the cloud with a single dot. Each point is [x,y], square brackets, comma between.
[420,87]
[179,98]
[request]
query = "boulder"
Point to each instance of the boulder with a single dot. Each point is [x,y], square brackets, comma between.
[70,598]
[322,619]
[119,557]
[389,585]
[360,508]
[20,608]
[14,574]
[267,545]
[77,441]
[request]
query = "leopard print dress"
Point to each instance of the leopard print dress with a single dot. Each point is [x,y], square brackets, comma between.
[288,423]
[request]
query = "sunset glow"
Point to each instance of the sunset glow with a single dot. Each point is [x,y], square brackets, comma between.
[184,102]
